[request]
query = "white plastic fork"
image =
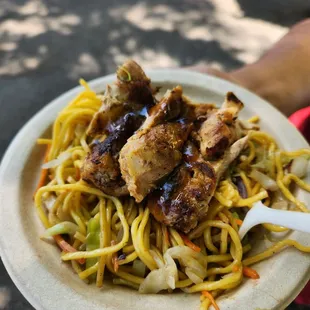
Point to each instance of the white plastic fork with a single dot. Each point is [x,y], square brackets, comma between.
[260,214]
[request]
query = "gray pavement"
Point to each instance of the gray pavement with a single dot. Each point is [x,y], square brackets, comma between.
[45,46]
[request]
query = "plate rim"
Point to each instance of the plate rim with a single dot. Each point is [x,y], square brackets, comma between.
[27,293]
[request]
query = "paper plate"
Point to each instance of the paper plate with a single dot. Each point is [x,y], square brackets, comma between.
[35,266]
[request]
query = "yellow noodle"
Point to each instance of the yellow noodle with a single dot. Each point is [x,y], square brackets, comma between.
[222,200]
[248,202]
[297,153]
[254,119]
[224,244]
[123,274]
[247,183]
[129,258]
[141,249]
[227,283]
[87,272]
[208,240]
[247,160]
[128,249]
[103,241]
[44,141]
[274,249]
[275,228]
[255,189]
[80,237]
[292,177]
[176,236]
[78,221]
[158,235]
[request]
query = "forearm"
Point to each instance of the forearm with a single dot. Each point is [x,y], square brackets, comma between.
[282,75]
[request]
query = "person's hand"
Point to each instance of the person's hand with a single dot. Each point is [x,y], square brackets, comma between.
[282,75]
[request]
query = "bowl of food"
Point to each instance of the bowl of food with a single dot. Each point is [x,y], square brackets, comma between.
[128,192]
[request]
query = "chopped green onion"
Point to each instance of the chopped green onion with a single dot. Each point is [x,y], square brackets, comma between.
[92,242]
[235,215]
[61,228]
[121,76]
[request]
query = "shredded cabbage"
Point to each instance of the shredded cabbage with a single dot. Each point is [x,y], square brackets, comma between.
[166,276]
[264,180]
[299,166]
[58,161]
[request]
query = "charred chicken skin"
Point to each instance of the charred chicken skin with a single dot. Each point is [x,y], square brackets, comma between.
[156,149]
[184,198]
[101,166]
[131,92]
[218,132]
[173,159]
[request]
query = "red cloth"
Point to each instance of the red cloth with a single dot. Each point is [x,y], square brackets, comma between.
[301,119]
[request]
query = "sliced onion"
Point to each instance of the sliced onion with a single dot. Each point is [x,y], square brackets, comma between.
[280,205]
[264,180]
[165,277]
[171,271]
[182,252]
[160,279]
[79,130]
[56,162]
[61,228]
[193,276]
[154,282]
[49,202]
[299,166]
[138,268]
[157,259]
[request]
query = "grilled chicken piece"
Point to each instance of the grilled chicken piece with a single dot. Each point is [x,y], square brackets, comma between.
[218,132]
[221,165]
[131,92]
[101,165]
[148,157]
[175,105]
[156,149]
[169,108]
[184,198]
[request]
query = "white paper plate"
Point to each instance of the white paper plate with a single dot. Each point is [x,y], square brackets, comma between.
[47,283]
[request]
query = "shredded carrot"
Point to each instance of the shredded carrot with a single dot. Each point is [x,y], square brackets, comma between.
[44,172]
[190,244]
[115,262]
[250,273]
[238,222]
[77,174]
[65,246]
[211,298]
[114,259]
[235,268]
